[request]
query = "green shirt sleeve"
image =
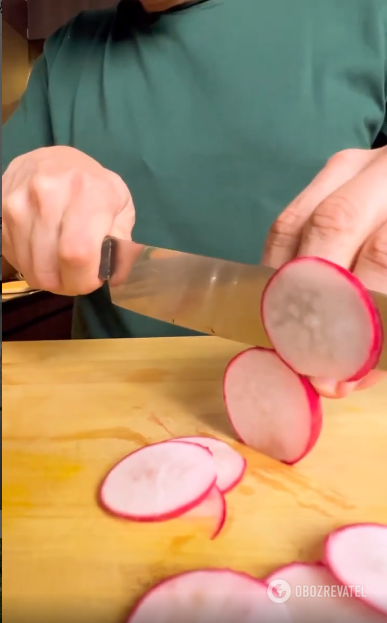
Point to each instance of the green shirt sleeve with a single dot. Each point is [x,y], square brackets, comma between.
[29,127]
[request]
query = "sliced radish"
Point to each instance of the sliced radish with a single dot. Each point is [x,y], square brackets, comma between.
[209,596]
[321,320]
[357,555]
[158,482]
[271,408]
[312,593]
[213,508]
[230,465]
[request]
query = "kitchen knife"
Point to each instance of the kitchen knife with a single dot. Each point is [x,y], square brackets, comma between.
[204,294]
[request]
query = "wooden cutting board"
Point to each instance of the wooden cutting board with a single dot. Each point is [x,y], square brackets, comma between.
[72,409]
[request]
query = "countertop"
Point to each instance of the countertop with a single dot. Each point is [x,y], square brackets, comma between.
[73,409]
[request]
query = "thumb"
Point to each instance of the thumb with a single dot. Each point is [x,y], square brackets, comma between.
[123,224]
[126,251]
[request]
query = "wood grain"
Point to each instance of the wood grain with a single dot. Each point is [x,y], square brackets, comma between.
[72,409]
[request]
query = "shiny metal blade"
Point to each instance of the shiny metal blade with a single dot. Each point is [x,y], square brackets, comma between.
[208,295]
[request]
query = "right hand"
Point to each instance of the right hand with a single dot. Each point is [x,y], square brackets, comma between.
[58,206]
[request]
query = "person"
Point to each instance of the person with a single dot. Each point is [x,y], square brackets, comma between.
[244,130]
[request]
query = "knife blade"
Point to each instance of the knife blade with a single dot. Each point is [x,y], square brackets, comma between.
[207,295]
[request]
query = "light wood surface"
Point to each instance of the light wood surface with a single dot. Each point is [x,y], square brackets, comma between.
[72,409]
[15,289]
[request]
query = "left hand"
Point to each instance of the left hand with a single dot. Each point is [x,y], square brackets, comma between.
[342,217]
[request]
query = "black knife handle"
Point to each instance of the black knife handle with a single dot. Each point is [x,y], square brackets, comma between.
[108,262]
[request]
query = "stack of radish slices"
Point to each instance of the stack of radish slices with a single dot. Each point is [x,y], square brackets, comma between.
[184,477]
[322,323]
[350,586]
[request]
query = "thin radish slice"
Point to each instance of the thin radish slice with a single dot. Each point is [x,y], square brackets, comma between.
[321,320]
[158,482]
[357,555]
[271,408]
[311,593]
[209,596]
[230,465]
[213,508]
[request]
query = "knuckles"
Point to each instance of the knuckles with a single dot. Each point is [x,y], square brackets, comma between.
[284,229]
[347,159]
[14,208]
[375,251]
[74,256]
[335,215]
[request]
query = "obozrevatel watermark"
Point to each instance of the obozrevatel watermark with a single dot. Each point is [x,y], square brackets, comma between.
[280,591]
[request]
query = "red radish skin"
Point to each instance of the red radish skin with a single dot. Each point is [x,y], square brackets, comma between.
[357,555]
[209,596]
[271,408]
[230,465]
[330,602]
[321,320]
[214,507]
[158,482]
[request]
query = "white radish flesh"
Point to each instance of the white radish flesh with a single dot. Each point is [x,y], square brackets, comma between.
[321,320]
[212,508]
[159,482]
[272,409]
[357,555]
[209,596]
[230,465]
[317,596]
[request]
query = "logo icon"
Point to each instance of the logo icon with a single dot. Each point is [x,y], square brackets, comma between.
[279,591]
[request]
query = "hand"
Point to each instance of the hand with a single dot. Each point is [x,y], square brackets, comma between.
[342,217]
[58,206]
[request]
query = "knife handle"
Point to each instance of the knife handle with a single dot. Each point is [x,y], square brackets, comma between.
[108,262]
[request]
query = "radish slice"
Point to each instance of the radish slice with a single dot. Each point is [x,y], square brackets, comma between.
[214,508]
[311,593]
[321,320]
[158,482]
[357,555]
[271,408]
[209,596]
[230,466]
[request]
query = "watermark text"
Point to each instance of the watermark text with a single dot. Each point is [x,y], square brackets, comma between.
[279,591]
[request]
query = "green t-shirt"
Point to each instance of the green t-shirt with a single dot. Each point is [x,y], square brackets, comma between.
[215,115]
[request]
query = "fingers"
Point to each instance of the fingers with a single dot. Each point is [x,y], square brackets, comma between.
[44,255]
[371,264]
[84,226]
[330,389]
[58,206]
[47,206]
[17,228]
[340,224]
[345,205]
[284,237]
[373,378]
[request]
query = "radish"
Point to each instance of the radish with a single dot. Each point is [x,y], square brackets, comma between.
[321,320]
[272,409]
[230,465]
[159,482]
[357,555]
[313,594]
[209,596]
[214,508]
